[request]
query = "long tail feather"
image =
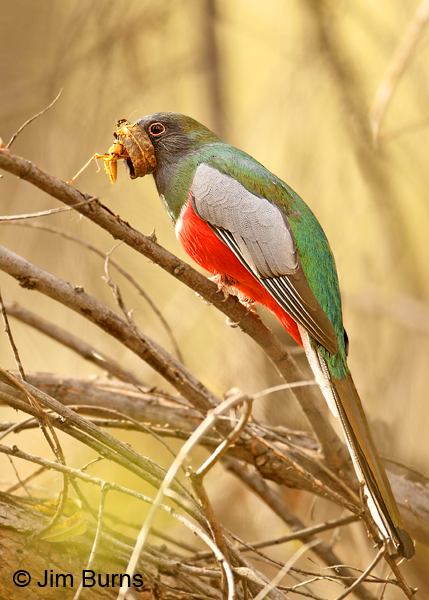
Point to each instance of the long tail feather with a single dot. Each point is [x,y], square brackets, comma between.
[345,403]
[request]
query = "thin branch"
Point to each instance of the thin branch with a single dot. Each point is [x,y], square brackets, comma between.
[286,568]
[71,341]
[215,528]
[105,488]
[22,482]
[19,425]
[40,213]
[10,338]
[74,238]
[400,579]
[398,64]
[117,293]
[272,499]
[207,424]
[49,434]
[39,114]
[105,444]
[362,578]
[231,438]
[303,534]
[35,278]
[123,417]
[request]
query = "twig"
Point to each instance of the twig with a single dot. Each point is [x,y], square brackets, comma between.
[18,425]
[40,213]
[231,437]
[70,236]
[120,415]
[197,484]
[286,568]
[50,437]
[58,509]
[71,341]
[106,445]
[105,488]
[43,418]
[15,487]
[277,505]
[208,423]
[408,591]
[117,293]
[399,62]
[171,540]
[362,578]
[198,477]
[33,277]
[11,340]
[20,481]
[39,114]
[303,534]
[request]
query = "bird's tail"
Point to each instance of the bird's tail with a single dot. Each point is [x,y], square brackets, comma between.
[345,403]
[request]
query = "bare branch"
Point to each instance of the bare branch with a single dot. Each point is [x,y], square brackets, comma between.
[39,114]
[359,580]
[399,62]
[161,411]
[273,500]
[34,278]
[10,338]
[210,420]
[40,213]
[71,341]
[105,444]
[70,236]
[104,491]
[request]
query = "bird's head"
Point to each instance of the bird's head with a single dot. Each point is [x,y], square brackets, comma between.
[161,138]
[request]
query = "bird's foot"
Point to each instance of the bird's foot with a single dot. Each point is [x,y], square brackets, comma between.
[249,303]
[228,288]
[222,285]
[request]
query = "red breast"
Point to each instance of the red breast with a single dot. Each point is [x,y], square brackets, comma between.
[207,250]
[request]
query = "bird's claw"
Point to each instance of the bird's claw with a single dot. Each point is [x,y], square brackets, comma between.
[222,285]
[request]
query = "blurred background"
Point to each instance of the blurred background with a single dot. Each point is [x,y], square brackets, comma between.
[291,83]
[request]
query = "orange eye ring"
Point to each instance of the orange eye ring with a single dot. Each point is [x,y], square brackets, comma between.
[156,129]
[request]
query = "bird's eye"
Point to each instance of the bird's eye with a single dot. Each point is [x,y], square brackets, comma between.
[156,129]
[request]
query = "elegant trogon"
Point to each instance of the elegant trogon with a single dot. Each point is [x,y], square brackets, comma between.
[255,235]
